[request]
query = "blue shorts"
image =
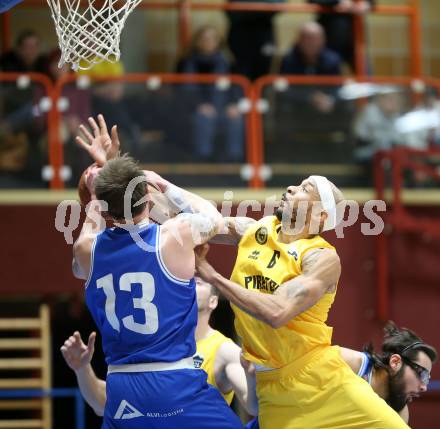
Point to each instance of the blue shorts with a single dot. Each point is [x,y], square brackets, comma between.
[179,399]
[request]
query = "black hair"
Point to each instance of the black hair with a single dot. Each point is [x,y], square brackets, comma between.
[403,342]
[25,34]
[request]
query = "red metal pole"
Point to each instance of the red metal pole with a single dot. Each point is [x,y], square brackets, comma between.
[56,149]
[379,174]
[360,49]
[184,24]
[257,144]
[396,171]
[6,32]
[382,287]
[415,40]
[382,261]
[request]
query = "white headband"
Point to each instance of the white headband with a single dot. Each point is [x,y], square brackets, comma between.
[327,199]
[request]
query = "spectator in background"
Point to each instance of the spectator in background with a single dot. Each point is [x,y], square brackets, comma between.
[214,108]
[21,154]
[110,99]
[383,125]
[26,56]
[309,56]
[251,40]
[375,127]
[432,104]
[339,27]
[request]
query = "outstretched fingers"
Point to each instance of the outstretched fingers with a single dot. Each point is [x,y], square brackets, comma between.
[87,134]
[102,124]
[91,341]
[115,137]
[81,143]
[95,127]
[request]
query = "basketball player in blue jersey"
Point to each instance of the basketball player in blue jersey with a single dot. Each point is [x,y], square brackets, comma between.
[144,303]
[216,354]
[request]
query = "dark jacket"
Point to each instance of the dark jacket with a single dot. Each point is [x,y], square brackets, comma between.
[196,63]
[11,62]
[329,63]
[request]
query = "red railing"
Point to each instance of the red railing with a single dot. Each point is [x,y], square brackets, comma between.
[415,85]
[54,116]
[184,8]
[398,218]
[258,88]
[253,119]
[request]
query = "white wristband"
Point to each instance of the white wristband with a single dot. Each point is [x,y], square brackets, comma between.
[176,197]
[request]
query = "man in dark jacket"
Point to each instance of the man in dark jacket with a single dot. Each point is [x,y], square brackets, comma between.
[309,56]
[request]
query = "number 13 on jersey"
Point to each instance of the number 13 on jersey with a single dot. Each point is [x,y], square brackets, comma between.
[146,280]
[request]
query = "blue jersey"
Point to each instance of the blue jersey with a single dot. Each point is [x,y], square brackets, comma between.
[366,369]
[143,312]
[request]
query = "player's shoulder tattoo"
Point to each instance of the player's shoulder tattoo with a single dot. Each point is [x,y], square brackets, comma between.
[312,258]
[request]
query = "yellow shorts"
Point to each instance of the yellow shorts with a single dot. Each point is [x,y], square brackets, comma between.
[320,391]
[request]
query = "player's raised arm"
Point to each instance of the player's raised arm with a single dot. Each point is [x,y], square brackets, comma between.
[233,230]
[321,270]
[78,356]
[92,225]
[198,221]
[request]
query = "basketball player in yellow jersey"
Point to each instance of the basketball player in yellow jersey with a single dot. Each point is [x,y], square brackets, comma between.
[216,354]
[398,373]
[282,287]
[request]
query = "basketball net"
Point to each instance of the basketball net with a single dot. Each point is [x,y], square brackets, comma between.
[89,30]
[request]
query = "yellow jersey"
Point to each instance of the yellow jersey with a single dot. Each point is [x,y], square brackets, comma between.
[205,357]
[263,264]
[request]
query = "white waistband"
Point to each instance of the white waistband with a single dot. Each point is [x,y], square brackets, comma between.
[186,363]
[261,368]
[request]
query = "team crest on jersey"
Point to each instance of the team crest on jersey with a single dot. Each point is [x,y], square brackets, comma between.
[198,361]
[254,255]
[261,235]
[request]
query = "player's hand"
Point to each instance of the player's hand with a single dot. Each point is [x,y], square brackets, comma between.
[77,354]
[201,252]
[203,268]
[90,175]
[247,365]
[100,145]
[156,181]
